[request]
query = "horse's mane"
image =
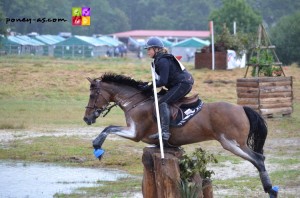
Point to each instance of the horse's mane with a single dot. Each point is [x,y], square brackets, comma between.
[120,79]
[124,80]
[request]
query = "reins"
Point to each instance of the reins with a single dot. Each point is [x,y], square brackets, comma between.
[104,111]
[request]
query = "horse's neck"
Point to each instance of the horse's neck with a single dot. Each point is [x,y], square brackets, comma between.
[125,96]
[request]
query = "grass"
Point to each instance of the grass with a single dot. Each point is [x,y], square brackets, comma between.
[43,94]
[75,151]
[107,189]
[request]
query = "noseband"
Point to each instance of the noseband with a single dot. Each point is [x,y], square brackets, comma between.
[102,110]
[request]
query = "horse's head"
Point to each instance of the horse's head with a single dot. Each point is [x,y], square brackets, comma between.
[98,102]
[103,90]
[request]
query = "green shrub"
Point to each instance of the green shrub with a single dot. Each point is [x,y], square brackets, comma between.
[189,167]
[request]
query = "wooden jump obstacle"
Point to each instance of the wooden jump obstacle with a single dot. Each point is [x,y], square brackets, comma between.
[162,176]
[267,95]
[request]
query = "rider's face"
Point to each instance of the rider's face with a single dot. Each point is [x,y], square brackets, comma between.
[151,52]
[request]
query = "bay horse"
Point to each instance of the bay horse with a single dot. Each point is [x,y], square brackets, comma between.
[239,129]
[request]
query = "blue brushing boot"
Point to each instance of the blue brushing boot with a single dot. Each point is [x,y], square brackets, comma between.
[98,153]
[274,192]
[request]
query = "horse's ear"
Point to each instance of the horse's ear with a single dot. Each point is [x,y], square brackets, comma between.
[89,79]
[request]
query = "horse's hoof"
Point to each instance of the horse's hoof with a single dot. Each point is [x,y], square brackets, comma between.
[274,192]
[99,153]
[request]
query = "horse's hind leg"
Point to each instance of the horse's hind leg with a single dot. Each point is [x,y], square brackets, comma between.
[255,158]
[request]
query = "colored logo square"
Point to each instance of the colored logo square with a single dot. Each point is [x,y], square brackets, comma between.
[86,11]
[76,20]
[86,20]
[76,11]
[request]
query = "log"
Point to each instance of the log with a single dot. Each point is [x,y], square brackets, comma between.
[276,105]
[247,95]
[199,182]
[247,90]
[161,177]
[274,79]
[275,89]
[207,188]
[265,79]
[275,100]
[148,184]
[276,94]
[272,84]
[167,175]
[247,101]
[283,111]
[247,84]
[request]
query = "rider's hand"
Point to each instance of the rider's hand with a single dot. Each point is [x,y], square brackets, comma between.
[145,87]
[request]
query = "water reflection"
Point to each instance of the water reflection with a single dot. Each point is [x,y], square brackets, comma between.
[44,180]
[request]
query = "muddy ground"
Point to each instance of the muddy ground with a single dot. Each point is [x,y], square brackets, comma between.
[226,170]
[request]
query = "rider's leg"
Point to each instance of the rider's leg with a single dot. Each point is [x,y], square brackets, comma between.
[172,95]
[165,120]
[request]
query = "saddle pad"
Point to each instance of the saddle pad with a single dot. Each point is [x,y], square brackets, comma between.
[185,113]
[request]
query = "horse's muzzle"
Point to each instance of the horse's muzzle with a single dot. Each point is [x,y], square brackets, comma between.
[89,120]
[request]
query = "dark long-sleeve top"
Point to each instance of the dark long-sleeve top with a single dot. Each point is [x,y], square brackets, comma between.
[170,72]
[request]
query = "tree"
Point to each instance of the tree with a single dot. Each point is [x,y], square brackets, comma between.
[190,15]
[287,42]
[246,18]
[2,23]
[106,19]
[166,14]
[273,10]
[2,26]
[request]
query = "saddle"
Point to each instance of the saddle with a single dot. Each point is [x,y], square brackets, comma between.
[185,102]
[184,109]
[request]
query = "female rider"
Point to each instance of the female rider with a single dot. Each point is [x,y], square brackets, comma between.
[171,74]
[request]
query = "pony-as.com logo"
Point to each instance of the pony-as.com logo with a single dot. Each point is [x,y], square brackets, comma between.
[81,16]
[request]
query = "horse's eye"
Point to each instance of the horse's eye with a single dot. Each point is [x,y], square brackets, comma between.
[92,96]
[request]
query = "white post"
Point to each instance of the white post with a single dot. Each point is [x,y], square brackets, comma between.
[157,112]
[212,44]
[234,28]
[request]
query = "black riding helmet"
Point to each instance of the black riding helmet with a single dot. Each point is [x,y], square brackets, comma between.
[154,42]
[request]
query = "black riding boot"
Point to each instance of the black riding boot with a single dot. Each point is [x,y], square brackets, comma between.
[164,121]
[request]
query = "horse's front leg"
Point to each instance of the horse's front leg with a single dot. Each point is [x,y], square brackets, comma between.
[126,132]
[99,140]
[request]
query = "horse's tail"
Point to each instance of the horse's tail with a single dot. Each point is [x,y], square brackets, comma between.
[258,130]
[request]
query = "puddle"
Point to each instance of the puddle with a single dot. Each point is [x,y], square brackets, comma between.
[35,180]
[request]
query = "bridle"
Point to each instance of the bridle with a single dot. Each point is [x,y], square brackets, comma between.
[102,110]
[107,107]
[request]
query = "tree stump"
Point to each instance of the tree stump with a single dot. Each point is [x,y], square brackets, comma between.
[207,188]
[161,176]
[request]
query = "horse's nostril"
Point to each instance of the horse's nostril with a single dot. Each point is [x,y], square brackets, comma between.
[85,119]
[88,121]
